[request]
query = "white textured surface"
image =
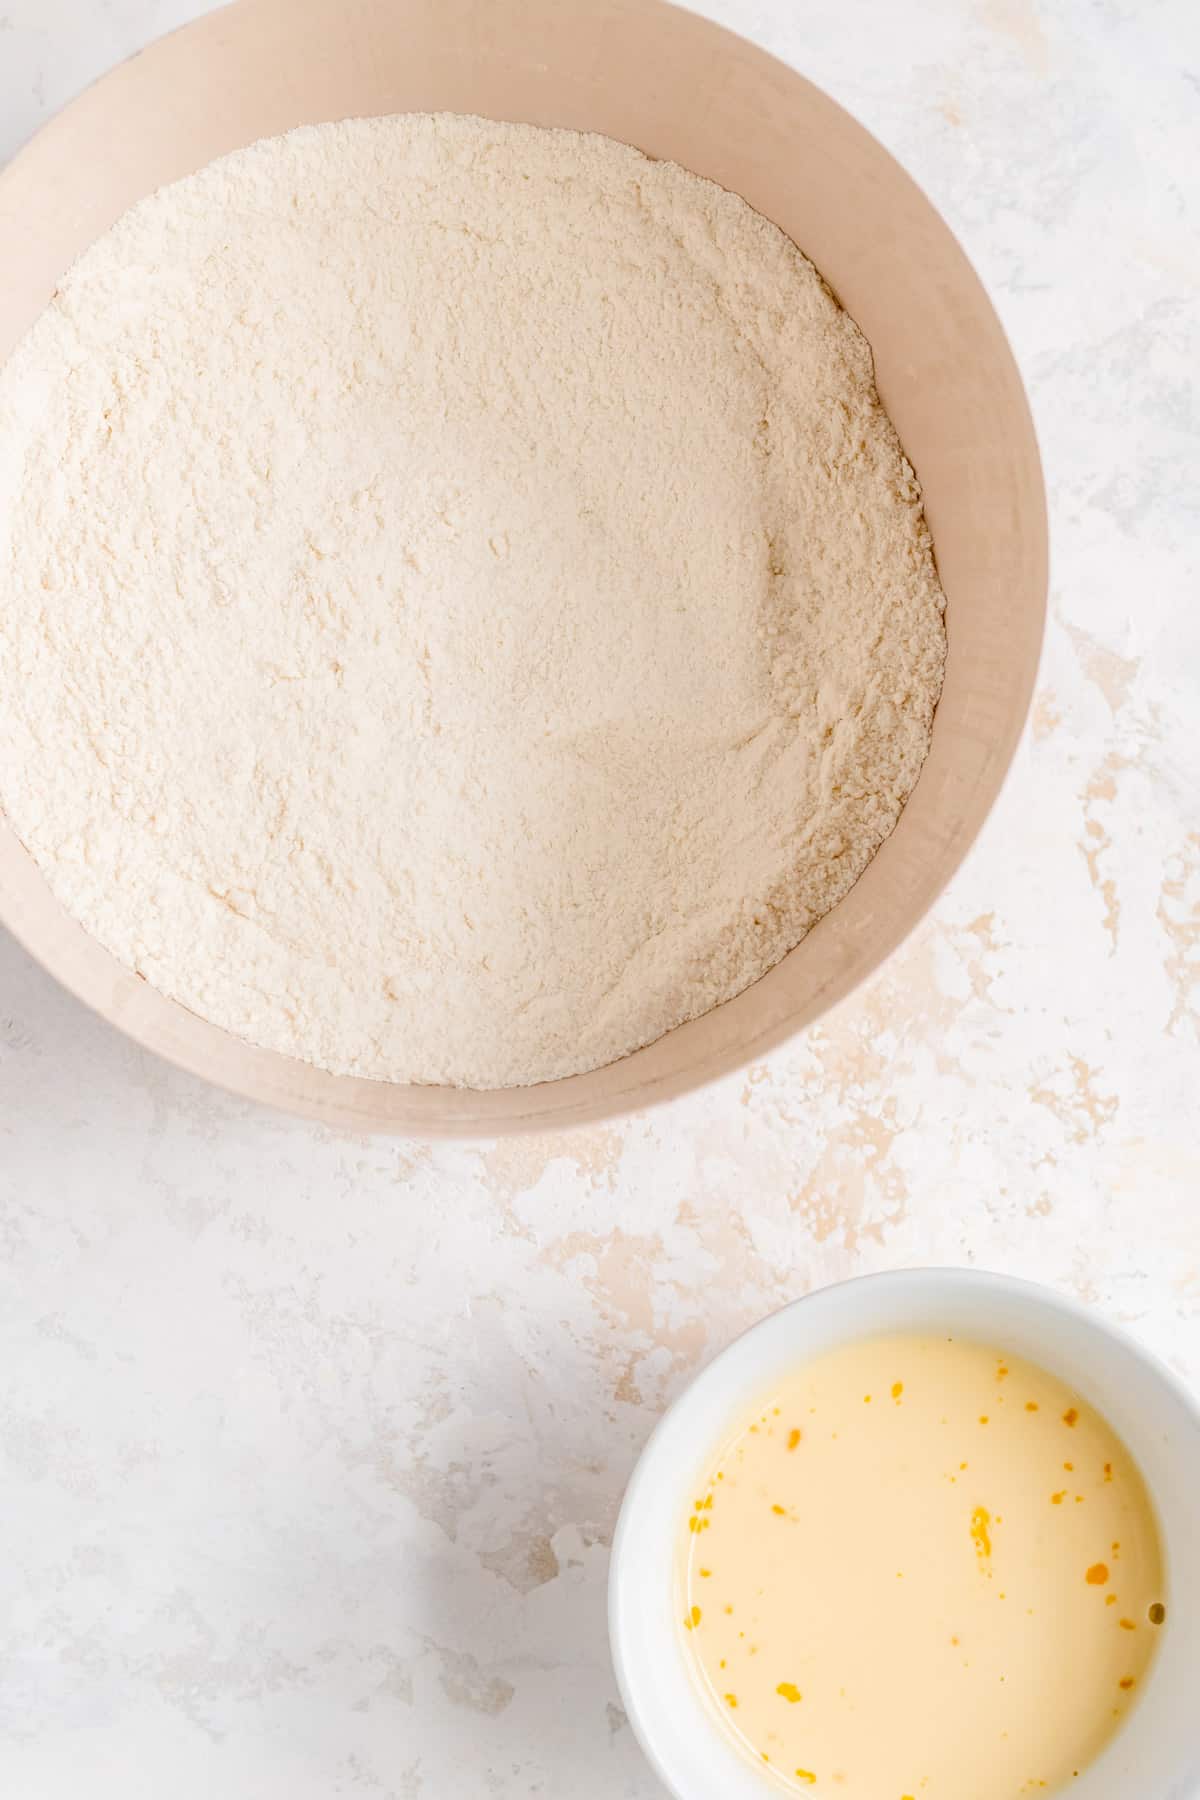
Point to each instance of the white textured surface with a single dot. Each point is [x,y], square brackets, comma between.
[311,1447]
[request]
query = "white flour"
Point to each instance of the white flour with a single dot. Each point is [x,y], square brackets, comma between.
[464,610]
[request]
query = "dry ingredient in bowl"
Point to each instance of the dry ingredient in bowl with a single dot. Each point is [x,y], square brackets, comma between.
[464,608]
[920,1568]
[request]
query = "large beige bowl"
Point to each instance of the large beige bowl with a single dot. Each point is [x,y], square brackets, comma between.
[676,87]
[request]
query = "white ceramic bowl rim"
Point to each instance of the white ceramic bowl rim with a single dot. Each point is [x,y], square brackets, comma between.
[1155,1755]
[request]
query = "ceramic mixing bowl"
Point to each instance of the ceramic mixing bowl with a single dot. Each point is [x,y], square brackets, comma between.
[1156,1752]
[679,87]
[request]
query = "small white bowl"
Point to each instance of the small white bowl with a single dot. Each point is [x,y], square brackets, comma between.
[1156,1753]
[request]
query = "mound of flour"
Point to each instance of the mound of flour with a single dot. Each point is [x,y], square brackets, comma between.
[464,607]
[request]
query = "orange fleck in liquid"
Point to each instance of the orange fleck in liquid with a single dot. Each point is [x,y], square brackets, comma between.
[1097,1575]
[1071,1417]
[980,1520]
[793,1437]
[897,1389]
[902,1620]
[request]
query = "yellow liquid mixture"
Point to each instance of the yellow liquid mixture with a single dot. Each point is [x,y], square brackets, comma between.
[920,1570]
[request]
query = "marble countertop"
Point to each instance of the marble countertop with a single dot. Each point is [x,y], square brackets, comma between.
[311,1446]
